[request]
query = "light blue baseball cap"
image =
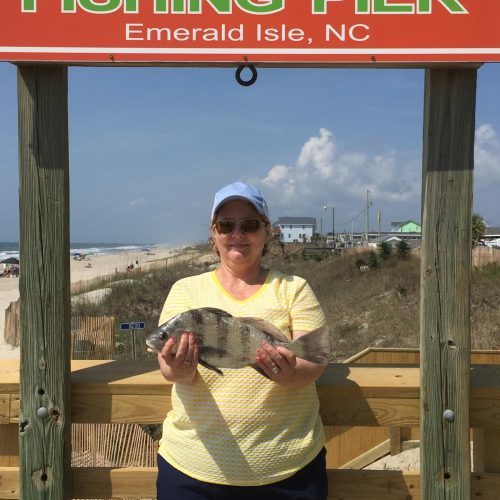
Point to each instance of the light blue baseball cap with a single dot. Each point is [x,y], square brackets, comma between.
[241,191]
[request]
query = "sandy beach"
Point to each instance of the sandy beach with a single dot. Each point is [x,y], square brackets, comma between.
[81,270]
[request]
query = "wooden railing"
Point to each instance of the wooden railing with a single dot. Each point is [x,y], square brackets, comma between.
[126,391]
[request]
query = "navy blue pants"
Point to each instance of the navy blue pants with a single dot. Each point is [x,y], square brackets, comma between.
[309,483]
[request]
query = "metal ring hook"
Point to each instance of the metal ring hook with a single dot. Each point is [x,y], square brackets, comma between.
[252,80]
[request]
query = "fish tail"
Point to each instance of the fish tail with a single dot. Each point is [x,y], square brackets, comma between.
[313,346]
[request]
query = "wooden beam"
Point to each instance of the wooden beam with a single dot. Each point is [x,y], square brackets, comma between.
[45,430]
[126,391]
[370,456]
[139,482]
[449,121]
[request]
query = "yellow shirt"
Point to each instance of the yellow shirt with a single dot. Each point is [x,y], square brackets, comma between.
[241,428]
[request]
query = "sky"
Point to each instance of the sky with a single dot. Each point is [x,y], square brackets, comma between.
[149,147]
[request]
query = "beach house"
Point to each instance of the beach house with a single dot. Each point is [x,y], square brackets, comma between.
[296,229]
[409,226]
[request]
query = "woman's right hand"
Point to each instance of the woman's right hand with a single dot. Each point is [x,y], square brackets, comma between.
[179,361]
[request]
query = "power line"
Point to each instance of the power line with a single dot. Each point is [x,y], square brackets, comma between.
[350,221]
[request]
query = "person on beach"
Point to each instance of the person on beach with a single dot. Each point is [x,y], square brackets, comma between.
[243,435]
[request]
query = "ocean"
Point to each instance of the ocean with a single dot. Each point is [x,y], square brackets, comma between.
[11,249]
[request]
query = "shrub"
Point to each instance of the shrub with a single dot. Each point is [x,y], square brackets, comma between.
[384,250]
[372,260]
[403,249]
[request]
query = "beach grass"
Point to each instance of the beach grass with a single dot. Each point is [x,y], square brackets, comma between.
[378,308]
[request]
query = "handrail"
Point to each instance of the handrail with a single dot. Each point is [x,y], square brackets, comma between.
[135,391]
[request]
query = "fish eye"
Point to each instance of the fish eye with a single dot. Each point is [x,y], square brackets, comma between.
[164,335]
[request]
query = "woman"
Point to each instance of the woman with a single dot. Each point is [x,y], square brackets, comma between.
[243,435]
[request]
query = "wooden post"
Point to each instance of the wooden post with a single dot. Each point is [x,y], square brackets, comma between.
[44,422]
[445,283]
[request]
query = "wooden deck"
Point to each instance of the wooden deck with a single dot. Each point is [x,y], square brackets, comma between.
[126,391]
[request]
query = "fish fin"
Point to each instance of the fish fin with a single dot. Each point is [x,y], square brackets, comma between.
[313,346]
[210,367]
[266,327]
[259,369]
[214,310]
[209,351]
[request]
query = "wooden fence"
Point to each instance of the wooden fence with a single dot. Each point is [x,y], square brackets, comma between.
[482,256]
[112,445]
[349,394]
[92,337]
[12,330]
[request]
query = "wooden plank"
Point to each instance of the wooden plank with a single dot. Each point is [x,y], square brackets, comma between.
[358,411]
[344,484]
[356,441]
[332,433]
[120,408]
[368,457]
[112,391]
[345,443]
[4,408]
[445,281]
[45,441]
[485,486]
[396,440]
[491,450]
[9,445]
[352,484]
[9,483]
[478,450]
[404,356]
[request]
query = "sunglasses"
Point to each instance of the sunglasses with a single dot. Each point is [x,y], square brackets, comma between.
[246,225]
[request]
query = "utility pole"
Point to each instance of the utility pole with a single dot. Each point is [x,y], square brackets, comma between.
[367,217]
[333,221]
[378,219]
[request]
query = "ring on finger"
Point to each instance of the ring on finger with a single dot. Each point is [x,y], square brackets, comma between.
[275,368]
[187,361]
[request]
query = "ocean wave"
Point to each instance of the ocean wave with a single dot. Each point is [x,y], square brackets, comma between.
[12,249]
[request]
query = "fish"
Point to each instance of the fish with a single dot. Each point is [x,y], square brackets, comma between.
[225,341]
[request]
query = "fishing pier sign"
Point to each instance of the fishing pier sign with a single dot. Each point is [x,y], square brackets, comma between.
[336,32]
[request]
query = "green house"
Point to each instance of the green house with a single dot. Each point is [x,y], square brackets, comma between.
[409,226]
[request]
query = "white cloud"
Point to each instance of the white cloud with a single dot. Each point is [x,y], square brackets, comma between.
[317,153]
[322,173]
[137,203]
[278,173]
[487,155]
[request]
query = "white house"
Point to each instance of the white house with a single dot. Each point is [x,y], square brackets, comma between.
[296,229]
[491,237]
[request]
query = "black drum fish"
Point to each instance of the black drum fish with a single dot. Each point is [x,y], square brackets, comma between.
[225,341]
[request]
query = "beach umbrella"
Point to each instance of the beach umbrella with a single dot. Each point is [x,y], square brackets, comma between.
[10,260]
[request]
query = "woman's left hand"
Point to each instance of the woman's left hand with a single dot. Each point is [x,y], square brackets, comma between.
[277,363]
[283,367]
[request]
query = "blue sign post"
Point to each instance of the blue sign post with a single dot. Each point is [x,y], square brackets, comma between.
[133,326]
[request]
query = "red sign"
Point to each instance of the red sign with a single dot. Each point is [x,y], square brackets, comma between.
[233,31]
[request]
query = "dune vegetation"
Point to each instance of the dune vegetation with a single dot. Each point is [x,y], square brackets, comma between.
[376,307]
